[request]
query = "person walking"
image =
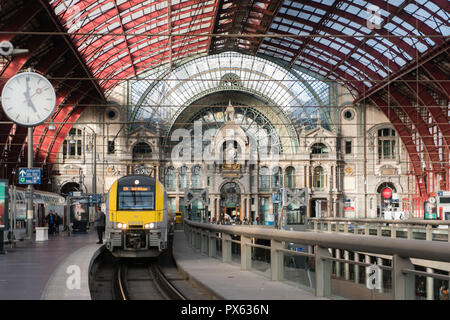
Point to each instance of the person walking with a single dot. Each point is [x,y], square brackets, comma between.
[99,223]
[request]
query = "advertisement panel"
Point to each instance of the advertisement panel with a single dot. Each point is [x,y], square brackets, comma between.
[79,214]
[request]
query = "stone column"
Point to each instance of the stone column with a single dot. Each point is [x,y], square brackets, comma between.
[212,206]
[248,208]
[329,206]
[335,208]
[305,174]
[257,206]
[308,180]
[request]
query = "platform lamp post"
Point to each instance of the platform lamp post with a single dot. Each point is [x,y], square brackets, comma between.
[94,161]
[28,99]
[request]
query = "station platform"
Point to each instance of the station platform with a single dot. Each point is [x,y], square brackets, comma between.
[227,281]
[34,271]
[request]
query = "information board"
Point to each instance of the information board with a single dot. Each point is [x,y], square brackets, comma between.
[30,175]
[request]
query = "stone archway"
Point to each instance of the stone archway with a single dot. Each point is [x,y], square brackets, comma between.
[385,191]
[230,200]
[70,187]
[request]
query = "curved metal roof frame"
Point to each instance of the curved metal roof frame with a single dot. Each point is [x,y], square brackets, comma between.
[121,49]
[297,94]
[358,42]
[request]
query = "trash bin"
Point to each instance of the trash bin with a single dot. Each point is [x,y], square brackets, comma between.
[41,234]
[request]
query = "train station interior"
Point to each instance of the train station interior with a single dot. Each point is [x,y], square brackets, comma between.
[320,116]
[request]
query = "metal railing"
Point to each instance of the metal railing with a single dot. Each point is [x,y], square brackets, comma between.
[321,266]
[433,230]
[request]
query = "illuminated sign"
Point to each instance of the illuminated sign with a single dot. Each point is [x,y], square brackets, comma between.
[3,203]
[386,193]
[135,188]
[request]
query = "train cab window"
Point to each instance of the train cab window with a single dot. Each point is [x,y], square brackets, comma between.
[136,198]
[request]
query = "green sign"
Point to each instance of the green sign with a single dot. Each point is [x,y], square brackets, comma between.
[3,203]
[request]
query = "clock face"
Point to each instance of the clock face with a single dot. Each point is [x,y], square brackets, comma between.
[28,99]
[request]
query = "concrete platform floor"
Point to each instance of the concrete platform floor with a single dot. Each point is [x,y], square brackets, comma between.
[26,269]
[227,281]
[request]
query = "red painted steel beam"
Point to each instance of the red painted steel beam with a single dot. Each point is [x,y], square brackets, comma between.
[61,117]
[422,127]
[439,77]
[381,60]
[59,139]
[51,14]
[441,120]
[407,140]
[409,67]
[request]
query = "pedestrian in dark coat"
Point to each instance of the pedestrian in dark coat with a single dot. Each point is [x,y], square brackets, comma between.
[99,223]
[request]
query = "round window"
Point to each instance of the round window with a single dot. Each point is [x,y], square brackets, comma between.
[111,113]
[348,114]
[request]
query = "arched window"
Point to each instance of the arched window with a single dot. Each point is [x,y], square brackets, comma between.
[196,177]
[277,178]
[142,150]
[264,178]
[290,177]
[170,178]
[318,178]
[386,143]
[319,148]
[182,177]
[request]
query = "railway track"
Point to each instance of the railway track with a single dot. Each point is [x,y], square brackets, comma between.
[141,279]
[144,281]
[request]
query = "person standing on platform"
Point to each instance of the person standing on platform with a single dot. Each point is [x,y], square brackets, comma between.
[99,223]
[51,222]
[57,222]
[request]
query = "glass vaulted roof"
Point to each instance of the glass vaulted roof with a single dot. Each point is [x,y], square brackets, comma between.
[297,94]
[357,42]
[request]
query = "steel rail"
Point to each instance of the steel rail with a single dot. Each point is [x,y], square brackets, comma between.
[163,282]
[427,250]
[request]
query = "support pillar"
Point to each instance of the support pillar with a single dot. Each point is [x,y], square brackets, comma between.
[276,260]
[338,264]
[323,272]
[226,248]
[403,284]
[356,268]
[346,266]
[212,250]
[246,253]
[430,285]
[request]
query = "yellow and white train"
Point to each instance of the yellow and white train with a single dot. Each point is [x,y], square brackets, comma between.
[136,217]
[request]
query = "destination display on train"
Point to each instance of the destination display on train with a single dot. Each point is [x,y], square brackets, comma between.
[135,188]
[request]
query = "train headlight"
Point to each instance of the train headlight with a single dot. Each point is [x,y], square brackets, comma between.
[149,225]
[122,226]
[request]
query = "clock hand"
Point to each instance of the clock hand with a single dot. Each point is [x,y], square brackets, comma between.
[30,103]
[38,91]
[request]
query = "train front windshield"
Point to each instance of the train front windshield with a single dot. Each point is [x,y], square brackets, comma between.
[137,198]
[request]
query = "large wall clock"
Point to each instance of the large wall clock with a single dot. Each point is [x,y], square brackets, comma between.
[28,99]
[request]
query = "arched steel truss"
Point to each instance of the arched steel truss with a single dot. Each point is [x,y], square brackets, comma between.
[408,48]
